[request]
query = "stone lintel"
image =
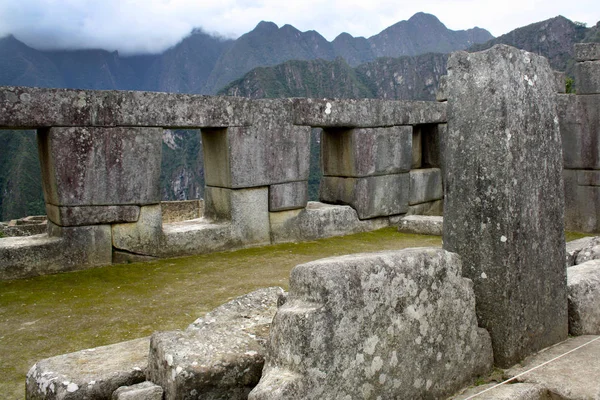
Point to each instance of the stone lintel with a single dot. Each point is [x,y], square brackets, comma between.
[91,215]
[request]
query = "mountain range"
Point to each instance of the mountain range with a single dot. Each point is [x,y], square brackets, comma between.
[403,61]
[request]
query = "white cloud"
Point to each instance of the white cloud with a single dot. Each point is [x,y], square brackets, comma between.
[134,26]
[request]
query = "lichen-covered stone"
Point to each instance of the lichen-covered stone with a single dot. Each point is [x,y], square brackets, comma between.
[219,356]
[366,151]
[395,324]
[425,185]
[318,221]
[575,246]
[509,391]
[503,210]
[372,196]
[89,374]
[25,107]
[100,166]
[583,281]
[140,391]
[288,196]
[587,51]
[590,251]
[366,113]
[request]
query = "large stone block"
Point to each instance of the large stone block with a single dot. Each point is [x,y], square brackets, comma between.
[395,324]
[140,391]
[142,237]
[582,204]
[100,166]
[366,113]
[319,221]
[588,178]
[288,196]
[83,246]
[422,224]
[91,215]
[587,76]
[579,118]
[587,51]
[583,281]
[246,209]
[89,374]
[425,185]
[574,247]
[366,152]
[219,356]
[503,203]
[373,196]
[270,151]
[25,107]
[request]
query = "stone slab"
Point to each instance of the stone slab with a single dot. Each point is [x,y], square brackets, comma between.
[219,356]
[374,196]
[246,209]
[270,151]
[422,225]
[378,325]
[366,151]
[425,185]
[432,208]
[25,107]
[587,51]
[319,221]
[100,166]
[89,374]
[588,178]
[366,113]
[583,281]
[587,76]
[183,210]
[199,236]
[503,204]
[574,376]
[288,196]
[515,391]
[91,215]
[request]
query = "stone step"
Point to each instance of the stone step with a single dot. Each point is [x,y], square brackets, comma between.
[422,224]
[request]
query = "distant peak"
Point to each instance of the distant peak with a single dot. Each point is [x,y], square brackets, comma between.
[266,26]
[423,17]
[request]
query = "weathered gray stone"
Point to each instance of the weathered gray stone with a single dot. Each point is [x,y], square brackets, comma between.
[23,230]
[588,178]
[175,211]
[91,215]
[574,247]
[431,208]
[220,356]
[25,107]
[246,209]
[142,237]
[517,391]
[422,225]
[587,76]
[89,374]
[503,210]
[23,257]
[381,325]
[560,81]
[587,51]
[318,221]
[270,151]
[441,94]
[425,185]
[288,196]
[198,237]
[141,391]
[582,204]
[366,113]
[574,376]
[591,251]
[574,145]
[100,166]
[583,281]
[366,151]
[373,196]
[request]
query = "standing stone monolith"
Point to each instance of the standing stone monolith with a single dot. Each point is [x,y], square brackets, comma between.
[504,196]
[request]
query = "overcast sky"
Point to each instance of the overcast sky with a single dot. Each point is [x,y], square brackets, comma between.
[142,26]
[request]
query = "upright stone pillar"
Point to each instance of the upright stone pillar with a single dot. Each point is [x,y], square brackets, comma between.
[504,196]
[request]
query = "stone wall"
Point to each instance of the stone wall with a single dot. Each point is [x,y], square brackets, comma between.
[101,151]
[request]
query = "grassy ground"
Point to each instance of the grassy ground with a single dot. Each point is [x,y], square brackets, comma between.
[56,314]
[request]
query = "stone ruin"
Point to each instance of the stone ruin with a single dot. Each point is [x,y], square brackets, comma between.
[409,324]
